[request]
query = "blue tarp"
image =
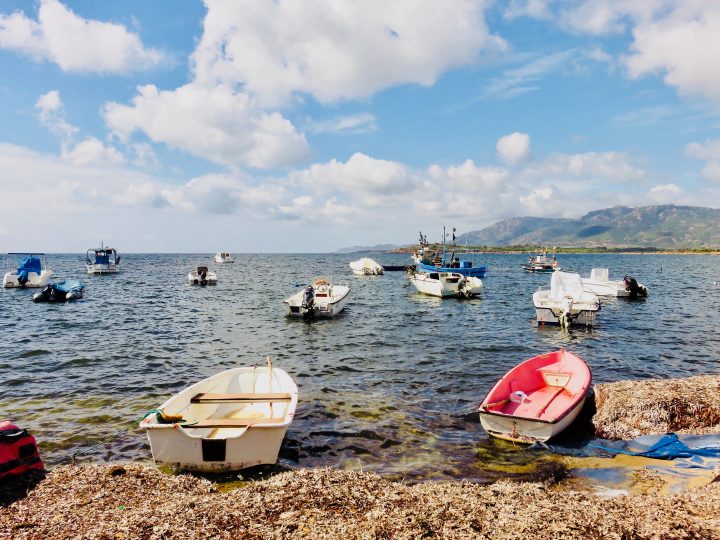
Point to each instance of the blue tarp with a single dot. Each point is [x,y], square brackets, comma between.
[30,264]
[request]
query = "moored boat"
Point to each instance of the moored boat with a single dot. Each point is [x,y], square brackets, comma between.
[599,283]
[456,261]
[227,422]
[366,267]
[202,276]
[223,257]
[31,272]
[321,299]
[537,399]
[566,303]
[542,263]
[446,284]
[60,291]
[102,260]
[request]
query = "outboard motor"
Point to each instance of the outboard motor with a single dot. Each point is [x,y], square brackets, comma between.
[634,288]
[23,276]
[202,274]
[308,302]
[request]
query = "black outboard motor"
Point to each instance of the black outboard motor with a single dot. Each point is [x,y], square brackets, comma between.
[634,288]
[308,302]
[202,274]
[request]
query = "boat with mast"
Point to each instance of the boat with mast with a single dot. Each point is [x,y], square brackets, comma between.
[429,261]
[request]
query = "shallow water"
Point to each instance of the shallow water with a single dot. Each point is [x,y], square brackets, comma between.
[390,386]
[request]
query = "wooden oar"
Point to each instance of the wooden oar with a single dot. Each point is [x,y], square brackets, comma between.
[495,404]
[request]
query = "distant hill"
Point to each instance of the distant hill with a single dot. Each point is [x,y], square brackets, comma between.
[665,226]
[373,249]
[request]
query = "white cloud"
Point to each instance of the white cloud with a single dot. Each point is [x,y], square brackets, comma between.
[518,81]
[612,167]
[356,123]
[91,150]
[52,114]
[333,49]
[529,8]
[75,44]
[214,123]
[514,148]
[708,151]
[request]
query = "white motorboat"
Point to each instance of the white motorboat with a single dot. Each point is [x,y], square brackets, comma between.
[227,422]
[321,299]
[599,283]
[366,267]
[566,303]
[202,276]
[446,284]
[31,272]
[222,258]
[104,260]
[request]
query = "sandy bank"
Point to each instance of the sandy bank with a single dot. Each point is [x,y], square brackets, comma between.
[629,409]
[137,501]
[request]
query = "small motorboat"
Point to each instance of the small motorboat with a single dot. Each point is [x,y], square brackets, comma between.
[321,299]
[31,272]
[566,303]
[202,276]
[366,267]
[599,283]
[537,399]
[446,284]
[102,260]
[61,291]
[227,422]
[222,258]
[542,263]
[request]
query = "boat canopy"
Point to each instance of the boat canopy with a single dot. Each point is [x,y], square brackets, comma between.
[599,274]
[564,284]
[102,255]
[30,264]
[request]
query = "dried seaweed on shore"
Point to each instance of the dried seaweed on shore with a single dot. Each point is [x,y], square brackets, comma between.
[629,409]
[136,501]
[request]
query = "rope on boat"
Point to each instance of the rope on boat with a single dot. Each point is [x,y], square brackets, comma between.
[162,417]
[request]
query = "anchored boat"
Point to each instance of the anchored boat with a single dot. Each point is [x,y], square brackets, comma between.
[428,261]
[321,299]
[223,257]
[31,272]
[566,303]
[61,291]
[446,284]
[599,283]
[366,267]
[537,399]
[202,276]
[227,422]
[542,263]
[102,260]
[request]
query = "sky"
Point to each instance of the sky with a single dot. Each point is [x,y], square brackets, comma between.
[309,126]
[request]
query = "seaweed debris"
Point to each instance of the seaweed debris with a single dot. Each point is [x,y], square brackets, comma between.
[630,409]
[96,501]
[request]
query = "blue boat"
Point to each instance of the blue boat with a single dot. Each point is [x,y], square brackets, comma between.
[102,260]
[432,262]
[60,291]
[31,272]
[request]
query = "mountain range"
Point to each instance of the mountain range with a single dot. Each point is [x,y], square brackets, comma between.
[666,226]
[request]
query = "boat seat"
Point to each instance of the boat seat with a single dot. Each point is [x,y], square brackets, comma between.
[555,378]
[240,398]
[231,422]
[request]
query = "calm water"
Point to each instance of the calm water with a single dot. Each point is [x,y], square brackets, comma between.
[390,386]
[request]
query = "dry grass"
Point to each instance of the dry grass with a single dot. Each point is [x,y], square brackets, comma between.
[629,409]
[137,501]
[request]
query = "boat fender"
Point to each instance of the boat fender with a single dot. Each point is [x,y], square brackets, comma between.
[18,451]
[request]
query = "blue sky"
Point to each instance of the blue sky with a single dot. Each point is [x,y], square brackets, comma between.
[181,125]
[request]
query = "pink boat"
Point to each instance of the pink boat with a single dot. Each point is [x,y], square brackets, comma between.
[537,399]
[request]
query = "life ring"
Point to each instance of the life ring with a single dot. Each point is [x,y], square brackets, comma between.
[322,287]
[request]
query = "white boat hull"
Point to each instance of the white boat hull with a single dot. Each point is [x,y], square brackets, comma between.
[10,280]
[194,278]
[444,285]
[329,306]
[217,449]
[101,268]
[526,430]
[549,311]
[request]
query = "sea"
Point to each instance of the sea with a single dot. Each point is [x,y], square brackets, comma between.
[390,386]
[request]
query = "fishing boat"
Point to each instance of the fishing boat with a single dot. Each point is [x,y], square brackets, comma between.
[202,276]
[456,262]
[321,299]
[542,263]
[60,291]
[599,283]
[366,267]
[566,303]
[31,272]
[537,399]
[102,260]
[230,421]
[223,257]
[446,284]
